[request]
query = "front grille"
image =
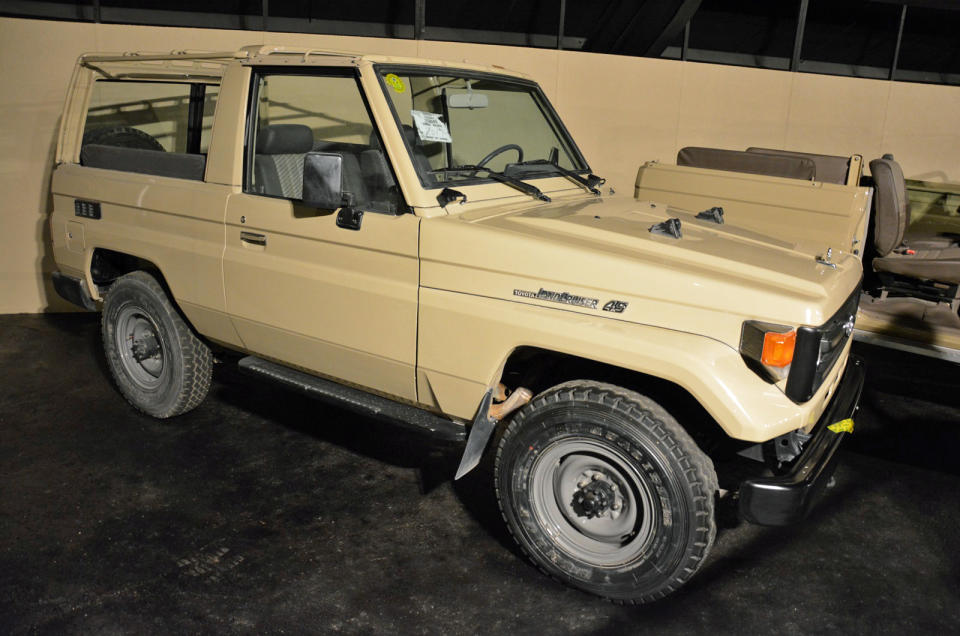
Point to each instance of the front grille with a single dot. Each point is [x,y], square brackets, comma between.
[818,349]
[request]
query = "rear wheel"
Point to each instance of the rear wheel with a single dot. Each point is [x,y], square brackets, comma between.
[605,491]
[158,363]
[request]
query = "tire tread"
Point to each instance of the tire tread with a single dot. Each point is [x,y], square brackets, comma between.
[197,357]
[697,469]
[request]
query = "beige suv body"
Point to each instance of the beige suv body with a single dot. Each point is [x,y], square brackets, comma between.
[358,247]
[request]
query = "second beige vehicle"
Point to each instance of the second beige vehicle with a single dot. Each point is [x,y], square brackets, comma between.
[424,242]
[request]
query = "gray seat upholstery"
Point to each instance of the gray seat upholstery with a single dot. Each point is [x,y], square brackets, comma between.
[381,185]
[936,261]
[829,168]
[354,181]
[420,160]
[278,162]
[749,162]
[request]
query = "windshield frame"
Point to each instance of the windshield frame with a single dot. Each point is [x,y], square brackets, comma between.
[540,98]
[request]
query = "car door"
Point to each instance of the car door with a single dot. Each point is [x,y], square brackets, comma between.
[336,301]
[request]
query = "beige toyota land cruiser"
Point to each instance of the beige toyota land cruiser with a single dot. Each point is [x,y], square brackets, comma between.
[424,242]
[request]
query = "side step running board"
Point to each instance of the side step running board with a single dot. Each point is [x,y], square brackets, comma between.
[356,400]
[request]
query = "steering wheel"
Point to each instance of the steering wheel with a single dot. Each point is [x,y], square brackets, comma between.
[496,151]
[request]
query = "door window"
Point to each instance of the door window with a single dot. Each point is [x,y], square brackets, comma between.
[297,114]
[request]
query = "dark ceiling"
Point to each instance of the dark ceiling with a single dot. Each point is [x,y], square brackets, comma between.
[914,40]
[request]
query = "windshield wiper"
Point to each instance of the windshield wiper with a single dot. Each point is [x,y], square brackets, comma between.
[590,182]
[500,177]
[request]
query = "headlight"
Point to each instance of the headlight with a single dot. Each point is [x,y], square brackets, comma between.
[768,348]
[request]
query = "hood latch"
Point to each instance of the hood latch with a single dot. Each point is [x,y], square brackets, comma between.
[670,227]
[714,215]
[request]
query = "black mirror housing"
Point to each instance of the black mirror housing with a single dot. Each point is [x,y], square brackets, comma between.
[323,180]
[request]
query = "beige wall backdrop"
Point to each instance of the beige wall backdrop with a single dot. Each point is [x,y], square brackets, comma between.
[621,110]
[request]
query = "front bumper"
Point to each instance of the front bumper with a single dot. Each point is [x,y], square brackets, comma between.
[786,499]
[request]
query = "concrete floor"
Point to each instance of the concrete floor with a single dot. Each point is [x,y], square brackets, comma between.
[262,511]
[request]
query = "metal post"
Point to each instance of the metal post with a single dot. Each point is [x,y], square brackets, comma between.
[686,41]
[419,19]
[896,49]
[96,11]
[563,13]
[798,40]
[265,5]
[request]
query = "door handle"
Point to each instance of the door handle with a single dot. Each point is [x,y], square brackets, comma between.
[253,238]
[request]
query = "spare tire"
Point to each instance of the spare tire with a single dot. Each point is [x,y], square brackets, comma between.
[122,136]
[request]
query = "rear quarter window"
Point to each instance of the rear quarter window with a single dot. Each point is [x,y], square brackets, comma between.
[160,128]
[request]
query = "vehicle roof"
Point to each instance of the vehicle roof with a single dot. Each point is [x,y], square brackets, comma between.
[133,63]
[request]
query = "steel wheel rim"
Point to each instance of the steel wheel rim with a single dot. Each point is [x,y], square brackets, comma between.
[135,335]
[605,540]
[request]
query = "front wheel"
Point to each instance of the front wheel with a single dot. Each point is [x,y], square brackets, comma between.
[604,490]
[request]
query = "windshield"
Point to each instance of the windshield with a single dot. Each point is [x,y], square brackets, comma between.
[457,119]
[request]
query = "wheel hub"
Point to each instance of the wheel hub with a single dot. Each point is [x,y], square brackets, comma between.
[596,498]
[140,347]
[146,346]
[592,501]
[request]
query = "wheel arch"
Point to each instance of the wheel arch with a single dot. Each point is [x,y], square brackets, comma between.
[107,265]
[539,369]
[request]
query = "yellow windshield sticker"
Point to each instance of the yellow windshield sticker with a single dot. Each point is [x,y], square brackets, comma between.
[843,426]
[395,82]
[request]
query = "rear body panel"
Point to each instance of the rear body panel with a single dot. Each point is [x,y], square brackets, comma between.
[821,214]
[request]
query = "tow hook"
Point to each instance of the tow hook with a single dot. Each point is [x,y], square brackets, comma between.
[517,399]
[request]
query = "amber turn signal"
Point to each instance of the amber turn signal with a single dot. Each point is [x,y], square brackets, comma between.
[778,348]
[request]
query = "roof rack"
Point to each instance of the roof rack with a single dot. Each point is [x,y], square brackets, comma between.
[133,56]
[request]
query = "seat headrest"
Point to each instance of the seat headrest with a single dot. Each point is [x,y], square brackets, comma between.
[285,139]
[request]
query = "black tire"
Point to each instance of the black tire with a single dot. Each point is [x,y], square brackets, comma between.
[158,363]
[604,490]
[122,136]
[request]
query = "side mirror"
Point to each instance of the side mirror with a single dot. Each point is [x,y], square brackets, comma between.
[323,180]
[323,188]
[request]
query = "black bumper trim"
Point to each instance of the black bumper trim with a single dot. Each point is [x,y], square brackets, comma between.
[786,499]
[73,290]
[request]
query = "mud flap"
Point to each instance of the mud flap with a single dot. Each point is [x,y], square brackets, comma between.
[480,432]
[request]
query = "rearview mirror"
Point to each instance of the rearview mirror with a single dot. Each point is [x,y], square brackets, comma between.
[467,100]
[323,180]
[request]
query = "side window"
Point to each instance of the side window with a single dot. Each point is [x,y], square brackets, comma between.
[160,128]
[297,114]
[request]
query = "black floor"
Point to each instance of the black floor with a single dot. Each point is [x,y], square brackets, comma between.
[262,511]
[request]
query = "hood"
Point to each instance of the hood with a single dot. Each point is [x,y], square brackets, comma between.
[706,282]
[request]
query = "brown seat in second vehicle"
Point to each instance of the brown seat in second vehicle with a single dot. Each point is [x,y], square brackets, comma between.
[829,168]
[936,260]
[751,163]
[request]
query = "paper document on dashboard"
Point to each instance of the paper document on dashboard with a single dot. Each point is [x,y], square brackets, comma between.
[430,126]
